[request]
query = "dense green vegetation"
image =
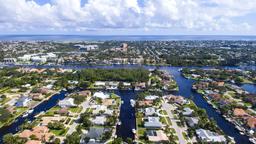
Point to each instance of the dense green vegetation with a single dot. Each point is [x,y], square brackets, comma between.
[85,77]
[4,115]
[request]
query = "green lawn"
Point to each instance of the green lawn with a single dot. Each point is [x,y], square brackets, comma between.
[75,109]
[139,121]
[61,132]
[169,121]
[52,110]
[163,112]
[141,132]
[184,135]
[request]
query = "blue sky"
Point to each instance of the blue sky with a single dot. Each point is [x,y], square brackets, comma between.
[128,17]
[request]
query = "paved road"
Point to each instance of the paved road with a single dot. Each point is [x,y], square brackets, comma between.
[72,128]
[167,107]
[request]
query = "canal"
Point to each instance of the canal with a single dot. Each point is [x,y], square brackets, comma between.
[185,86]
[44,106]
[127,113]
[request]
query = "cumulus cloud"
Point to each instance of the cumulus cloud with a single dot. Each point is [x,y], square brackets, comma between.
[72,15]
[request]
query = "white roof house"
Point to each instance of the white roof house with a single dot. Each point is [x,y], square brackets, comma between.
[187,111]
[151,97]
[101,95]
[67,102]
[100,83]
[22,101]
[153,123]
[98,108]
[99,120]
[209,136]
[150,111]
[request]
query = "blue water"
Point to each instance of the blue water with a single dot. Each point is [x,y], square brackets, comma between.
[251,88]
[127,115]
[122,37]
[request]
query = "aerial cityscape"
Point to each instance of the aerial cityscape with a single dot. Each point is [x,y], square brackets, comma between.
[127,72]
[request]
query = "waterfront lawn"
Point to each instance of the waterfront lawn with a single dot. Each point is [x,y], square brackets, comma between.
[51,111]
[75,109]
[20,110]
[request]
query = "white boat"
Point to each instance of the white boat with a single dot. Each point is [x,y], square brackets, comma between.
[134,131]
[132,102]
[30,111]
[122,102]
[119,123]
[25,115]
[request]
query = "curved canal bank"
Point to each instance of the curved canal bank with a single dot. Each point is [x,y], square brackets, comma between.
[44,106]
[126,117]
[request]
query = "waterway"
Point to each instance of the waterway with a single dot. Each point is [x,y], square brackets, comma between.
[44,106]
[251,88]
[127,113]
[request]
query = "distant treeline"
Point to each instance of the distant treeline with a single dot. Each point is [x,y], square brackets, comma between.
[127,75]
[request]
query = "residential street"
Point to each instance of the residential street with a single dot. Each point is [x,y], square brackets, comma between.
[72,128]
[167,107]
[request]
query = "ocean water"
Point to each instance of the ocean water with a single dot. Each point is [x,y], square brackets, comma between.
[122,37]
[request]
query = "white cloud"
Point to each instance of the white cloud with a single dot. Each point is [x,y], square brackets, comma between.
[69,15]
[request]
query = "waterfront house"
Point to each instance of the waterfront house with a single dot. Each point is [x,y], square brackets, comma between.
[176,99]
[209,136]
[101,95]
[47,119]
[67,102]
[145,103]
[150,111]
[187,111]
[99,120]
[63,111]
[98,108]
[108,102]
[251,123]
[36,96]
[151,97]
[84,93]
[40,132]
[153,123]
[100,84]
[23,101]
[156,136]
[94,135]
[238,112]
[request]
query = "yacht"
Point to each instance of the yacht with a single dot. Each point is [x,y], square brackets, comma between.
[132,102]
